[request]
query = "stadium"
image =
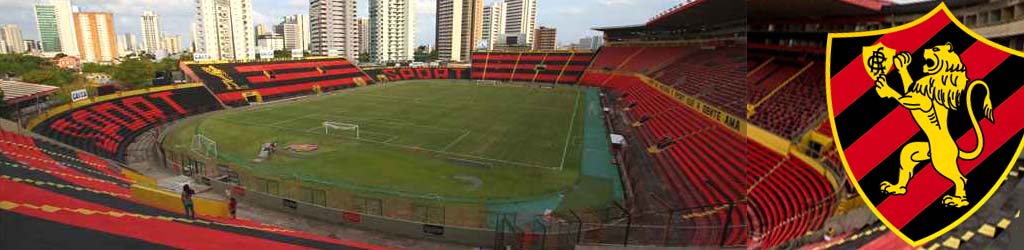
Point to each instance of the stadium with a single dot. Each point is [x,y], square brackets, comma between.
[705,127]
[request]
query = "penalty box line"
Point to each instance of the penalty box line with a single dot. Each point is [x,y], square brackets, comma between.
[385,120]
[411,147]
[443,150]
[317,129]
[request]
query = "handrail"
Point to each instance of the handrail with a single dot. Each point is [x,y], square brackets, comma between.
[752,107]
[761,66]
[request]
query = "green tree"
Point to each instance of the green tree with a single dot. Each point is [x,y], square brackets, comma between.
[20,64]
[50,76]
[434,54]
[136,72]
[282,54]
[364,57]
[421,54]
[97,68]
[166,64]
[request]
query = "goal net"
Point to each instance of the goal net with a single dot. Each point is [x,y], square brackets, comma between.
[333,128]
[204,145]
[487,82]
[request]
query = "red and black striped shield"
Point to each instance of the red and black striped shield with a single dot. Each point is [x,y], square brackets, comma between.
[909,106]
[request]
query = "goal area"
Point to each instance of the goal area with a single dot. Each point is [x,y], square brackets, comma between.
[204,145]
[334,128]
[487,82]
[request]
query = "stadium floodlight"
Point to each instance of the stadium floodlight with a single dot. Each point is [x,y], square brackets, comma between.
[329,126]
[204,145]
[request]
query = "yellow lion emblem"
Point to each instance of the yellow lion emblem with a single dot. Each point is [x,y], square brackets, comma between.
[228,83]
[930,100]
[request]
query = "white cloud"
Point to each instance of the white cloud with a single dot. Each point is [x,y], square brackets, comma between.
[426,6]
[571,27]
[5,4]
[573,18]
[570,10]
[425,26]
[617,2]
[299,3]
[260,18]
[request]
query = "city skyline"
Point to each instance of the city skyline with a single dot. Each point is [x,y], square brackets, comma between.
[572,19]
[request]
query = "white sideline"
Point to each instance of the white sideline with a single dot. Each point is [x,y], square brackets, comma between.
[572,121]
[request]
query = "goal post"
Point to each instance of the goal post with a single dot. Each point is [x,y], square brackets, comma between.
[204,145]
[330,126]
[487,82]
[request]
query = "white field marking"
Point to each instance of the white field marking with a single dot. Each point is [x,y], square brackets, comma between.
[385,120]
[572,121]
[457,140]
[317,130]
[413,147]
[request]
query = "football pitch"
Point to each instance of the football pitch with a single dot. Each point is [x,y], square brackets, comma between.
[461,139]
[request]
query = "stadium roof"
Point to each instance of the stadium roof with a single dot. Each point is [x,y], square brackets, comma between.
[698,13]
[924,7]
[692,14]
[622,28]
[15,92]
[799,9]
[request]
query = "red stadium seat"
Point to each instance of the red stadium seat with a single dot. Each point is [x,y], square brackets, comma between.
[552,67]
[787,197]
[798,104]
[87,203]
[288,77]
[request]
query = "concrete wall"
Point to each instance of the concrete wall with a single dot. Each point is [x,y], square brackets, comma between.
[461,235]
[172,201]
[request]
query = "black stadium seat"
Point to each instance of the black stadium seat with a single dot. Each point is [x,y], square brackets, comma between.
[106,128]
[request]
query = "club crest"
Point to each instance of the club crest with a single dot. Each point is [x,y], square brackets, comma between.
[924,120]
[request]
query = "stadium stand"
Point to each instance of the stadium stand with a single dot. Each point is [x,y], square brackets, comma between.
[787,196]
[645,60]
[789,99]
[673,92]
[108,124]
[689,129]
[52,191]
[609,58]
[232,82]
[554,67]
[672,86]
[690,143]
[693,143]
[709,74]
[416,73]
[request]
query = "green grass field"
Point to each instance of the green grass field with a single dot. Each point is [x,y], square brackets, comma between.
[421,137]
